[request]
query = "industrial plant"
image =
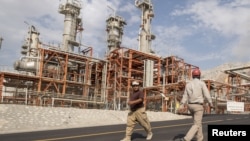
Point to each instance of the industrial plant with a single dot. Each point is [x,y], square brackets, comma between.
[69,75]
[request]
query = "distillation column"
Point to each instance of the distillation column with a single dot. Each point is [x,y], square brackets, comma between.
[114,28]
[29,61]
[72,22]
[145,36]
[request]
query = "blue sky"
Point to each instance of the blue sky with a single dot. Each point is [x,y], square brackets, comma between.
[205,33]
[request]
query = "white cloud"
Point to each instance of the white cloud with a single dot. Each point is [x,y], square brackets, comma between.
[16,15]
[133,13]
[168,40]
[241,49]
[230,20]
[221,30]
[220,17]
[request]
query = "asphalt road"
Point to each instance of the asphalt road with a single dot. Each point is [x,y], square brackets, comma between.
[163,131]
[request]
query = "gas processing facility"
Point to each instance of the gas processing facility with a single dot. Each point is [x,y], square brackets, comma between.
[69,76]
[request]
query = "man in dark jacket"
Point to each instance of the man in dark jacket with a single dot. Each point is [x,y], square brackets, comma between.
[137,113]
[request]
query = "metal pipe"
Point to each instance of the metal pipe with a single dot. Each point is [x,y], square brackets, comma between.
[114,12]
[26,95]
[70,53]
[72,100]
[28,57]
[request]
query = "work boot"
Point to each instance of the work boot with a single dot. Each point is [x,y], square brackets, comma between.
[149,136]
[126,139]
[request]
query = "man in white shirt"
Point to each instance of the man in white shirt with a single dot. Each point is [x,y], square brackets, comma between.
[194,94]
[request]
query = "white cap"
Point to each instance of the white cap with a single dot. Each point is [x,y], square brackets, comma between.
[135,83]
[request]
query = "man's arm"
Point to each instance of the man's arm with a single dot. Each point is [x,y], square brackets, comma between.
[135,101]
[207,95]
[184,97]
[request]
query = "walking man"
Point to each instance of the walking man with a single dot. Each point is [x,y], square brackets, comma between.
[137,113]
[194,94]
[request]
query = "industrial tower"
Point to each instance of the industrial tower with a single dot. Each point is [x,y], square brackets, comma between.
[49,75]
[72,23]
[145,38]
[145,35]
[114,28]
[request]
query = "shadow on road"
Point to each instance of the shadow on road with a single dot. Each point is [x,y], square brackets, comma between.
[179,136]
[138,136]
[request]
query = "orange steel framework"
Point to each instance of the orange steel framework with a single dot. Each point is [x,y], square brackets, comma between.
[61,85]
[223,92]
[96,83]
[125,65]
[170,77]
[79,80]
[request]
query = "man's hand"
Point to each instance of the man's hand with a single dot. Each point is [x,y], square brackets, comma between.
[135,101]
[130,103]
[181,109]
[211,106]
[181,106]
